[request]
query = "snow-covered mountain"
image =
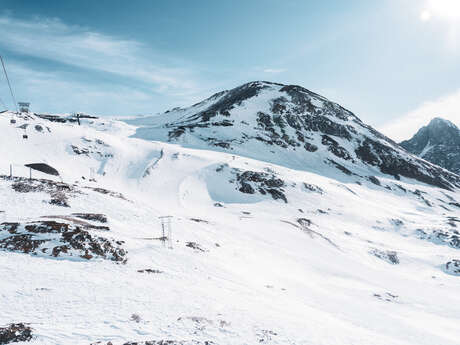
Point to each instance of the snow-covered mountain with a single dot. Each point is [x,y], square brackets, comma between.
[438,143]
[316,243]
[291,126]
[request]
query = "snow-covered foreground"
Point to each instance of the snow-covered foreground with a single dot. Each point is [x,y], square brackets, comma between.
[338,263]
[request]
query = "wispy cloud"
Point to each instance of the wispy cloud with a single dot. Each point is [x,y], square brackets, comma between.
[54,92]
[447,107]
[274,70]
[53,40]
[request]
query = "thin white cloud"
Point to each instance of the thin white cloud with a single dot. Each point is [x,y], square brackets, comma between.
[447,107]
[53,40]
[274,70]
[61,94]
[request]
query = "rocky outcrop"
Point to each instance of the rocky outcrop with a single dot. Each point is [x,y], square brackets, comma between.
[59,192]
[160,342]
[445,237]
[389,256]
[58,239]
[97,217]
[251,182]
[15,333]
[453,267]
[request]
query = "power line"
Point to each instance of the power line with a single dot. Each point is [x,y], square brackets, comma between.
[3,104]
[9,85]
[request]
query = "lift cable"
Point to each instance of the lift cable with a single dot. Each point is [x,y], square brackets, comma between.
[9,85]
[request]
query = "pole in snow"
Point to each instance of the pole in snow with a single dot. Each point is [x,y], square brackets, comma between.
[166,227]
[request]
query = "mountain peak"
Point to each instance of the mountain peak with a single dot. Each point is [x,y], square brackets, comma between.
[440,122]
[291,126]
[438,142]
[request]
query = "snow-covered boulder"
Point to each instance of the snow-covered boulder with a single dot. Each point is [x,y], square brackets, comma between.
[453,267]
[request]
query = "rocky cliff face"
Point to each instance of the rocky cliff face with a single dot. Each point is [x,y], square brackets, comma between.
[438,143]
[291,126]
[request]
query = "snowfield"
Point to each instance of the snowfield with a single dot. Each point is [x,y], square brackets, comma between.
[262,253]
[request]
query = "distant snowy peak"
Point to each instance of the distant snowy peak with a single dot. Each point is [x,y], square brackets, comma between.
[438,142]
[291,126]
[441,123]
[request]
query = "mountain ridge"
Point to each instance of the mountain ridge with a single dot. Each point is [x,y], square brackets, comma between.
[289,124]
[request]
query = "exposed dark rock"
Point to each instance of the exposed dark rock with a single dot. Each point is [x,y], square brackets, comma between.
[341,167]
[453,267]
[276,194]
[78,221]
[97,217]
[396,222]
[386,255]
[53,118]
[59,199]
[304,222]
[195,246]
[59,191]
[246,188]
[445,237]
[64,119]
[198,220]
[313,188]
[452,221]
[388,297]
[79,151]
[136,318]
[392,162]
[265,336]
[374,180]
[170,342]
[264,183]
[15,333]
[57,239]
[335,148]
[310,147]
[150,270]
[25,185]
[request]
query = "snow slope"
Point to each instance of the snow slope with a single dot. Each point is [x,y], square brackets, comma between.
[342,260]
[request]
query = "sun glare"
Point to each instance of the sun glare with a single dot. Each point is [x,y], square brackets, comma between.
[443,9]
[425,15]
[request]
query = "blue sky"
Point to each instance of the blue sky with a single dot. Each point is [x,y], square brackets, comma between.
[392,62]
